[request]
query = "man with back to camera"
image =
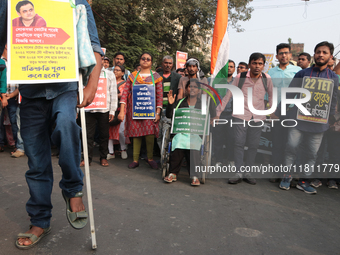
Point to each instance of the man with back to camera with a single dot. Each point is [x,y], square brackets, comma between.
[28,17]
[308,134]
[251,134]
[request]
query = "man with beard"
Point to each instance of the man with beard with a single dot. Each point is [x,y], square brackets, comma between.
[307,134]
[193,67]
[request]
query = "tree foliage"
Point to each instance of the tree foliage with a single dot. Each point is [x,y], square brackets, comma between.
[161,27]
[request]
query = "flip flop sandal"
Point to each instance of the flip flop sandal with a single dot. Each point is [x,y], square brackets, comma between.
[195,181]
[34,239]
[171,178]
[77,220]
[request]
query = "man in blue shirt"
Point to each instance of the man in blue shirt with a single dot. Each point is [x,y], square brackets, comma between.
[281,76]
[308,134]
[44,105]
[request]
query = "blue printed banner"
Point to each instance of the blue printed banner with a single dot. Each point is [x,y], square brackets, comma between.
[143,101]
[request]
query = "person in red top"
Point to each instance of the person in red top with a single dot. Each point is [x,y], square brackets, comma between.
[28,17]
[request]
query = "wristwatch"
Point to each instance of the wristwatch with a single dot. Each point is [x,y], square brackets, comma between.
[157,113]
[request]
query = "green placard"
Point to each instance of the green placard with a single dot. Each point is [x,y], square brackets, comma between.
[186,120]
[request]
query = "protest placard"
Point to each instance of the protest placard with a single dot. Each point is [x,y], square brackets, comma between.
[100,99]
[186,120]
[143,101]
[319,105]
[42,42]
[181,58]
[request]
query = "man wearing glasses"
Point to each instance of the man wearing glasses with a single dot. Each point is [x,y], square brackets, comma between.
[242,67]
[281,76]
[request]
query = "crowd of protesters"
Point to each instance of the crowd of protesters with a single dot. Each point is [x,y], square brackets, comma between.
[114,129]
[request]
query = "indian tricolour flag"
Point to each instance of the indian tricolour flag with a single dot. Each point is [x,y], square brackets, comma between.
[220,44]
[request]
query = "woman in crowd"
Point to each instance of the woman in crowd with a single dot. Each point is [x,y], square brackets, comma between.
[139,128]
[117,131]
[102,117]
[184,144]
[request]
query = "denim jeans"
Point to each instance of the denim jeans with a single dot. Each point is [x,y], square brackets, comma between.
[37,117]
[20,142]
[12,114]
[311,143]
[279,140]
[243,134]
[3,24]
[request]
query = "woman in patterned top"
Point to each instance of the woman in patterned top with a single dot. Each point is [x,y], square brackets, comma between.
[139,128]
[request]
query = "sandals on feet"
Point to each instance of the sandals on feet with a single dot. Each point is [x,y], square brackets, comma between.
[195,181]
[34,239]
[103,162]
[77,220]
[82,163]
[170,178]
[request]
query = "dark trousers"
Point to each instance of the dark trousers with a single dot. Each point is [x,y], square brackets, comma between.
[279,140]
[243,134]
[193,158]
[103,126]
[223,140]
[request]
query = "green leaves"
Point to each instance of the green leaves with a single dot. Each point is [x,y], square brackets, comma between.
[161,27]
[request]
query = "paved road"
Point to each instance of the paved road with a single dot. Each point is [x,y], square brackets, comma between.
[136,213]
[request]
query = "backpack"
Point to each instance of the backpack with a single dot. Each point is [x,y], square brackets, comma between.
[243,78]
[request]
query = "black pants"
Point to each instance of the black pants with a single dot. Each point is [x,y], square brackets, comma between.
[193,158]
[103,126]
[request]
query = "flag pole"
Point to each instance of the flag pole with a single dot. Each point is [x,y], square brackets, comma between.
[86,161]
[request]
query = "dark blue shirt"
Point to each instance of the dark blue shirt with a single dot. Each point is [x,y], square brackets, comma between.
[297,83]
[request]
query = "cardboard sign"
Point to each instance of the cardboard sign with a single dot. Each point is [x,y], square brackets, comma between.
[187,120]
[319,105]
[269,61]
[143,101]
[181,58]
[100,99]
[42,42]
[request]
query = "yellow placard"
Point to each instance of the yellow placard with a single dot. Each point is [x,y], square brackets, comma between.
[42,42]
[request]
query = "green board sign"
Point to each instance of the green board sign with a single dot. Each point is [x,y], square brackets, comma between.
[186,120]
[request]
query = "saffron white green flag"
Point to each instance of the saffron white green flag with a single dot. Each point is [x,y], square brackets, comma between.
[220,44]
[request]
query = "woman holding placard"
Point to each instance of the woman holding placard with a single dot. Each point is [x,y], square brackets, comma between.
[143,108]
[186,145]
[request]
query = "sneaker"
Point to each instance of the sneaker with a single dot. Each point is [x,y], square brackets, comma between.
[332,184]
[232,163]
[236,179]
[124,154]
[247,178]
[285,183]
[316,183]
[195,181]
[110,156]
[18,154]
[304,186]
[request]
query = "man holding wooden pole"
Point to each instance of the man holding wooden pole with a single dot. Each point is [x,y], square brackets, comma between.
[44,105]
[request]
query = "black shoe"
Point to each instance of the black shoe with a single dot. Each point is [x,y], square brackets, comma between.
[235,180]
[247,178]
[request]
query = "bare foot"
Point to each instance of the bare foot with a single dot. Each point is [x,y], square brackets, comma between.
[35,231]
[76,204]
